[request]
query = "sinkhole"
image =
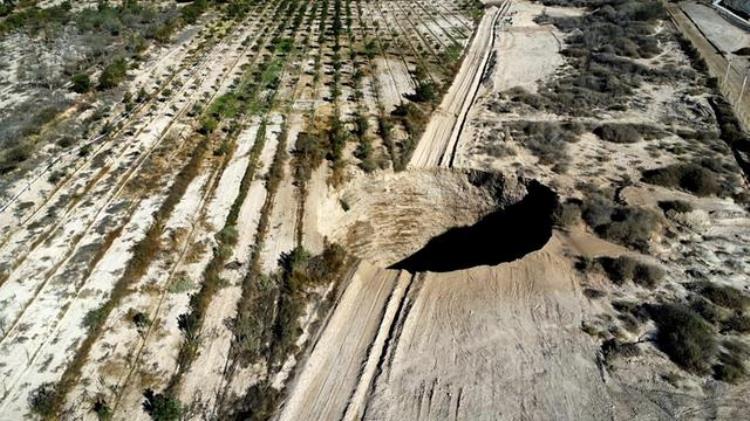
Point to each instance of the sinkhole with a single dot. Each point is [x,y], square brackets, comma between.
[502,236]
[439,220]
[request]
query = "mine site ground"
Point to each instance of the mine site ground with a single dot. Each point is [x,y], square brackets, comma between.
[382,210]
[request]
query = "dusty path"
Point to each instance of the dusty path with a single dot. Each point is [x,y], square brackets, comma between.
[331,374]
[441,135]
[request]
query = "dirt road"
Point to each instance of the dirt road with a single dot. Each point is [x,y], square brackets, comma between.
[441,135]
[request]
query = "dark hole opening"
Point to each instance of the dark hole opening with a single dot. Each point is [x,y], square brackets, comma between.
[502,236]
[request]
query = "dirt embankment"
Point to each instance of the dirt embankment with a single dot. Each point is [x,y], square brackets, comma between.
[456,345]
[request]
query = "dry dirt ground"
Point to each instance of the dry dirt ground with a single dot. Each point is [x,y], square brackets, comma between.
[104,271]
[522,340]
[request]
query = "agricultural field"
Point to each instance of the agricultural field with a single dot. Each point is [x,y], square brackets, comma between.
[368,209]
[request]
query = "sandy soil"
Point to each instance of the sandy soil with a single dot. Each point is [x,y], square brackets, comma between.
[402,361]
[205,380]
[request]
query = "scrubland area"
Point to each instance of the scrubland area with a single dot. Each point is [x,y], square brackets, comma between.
[368,209]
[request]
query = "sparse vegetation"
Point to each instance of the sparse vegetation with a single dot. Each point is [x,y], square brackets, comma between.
[618,133]
[113,74]
[690,177]
[161,407]
[632,227]
[684,336]
[42,400]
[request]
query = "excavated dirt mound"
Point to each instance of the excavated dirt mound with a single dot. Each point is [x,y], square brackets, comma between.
[438,220]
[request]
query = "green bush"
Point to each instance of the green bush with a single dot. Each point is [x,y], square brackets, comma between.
[690,177]
[81,83]
[684,336]
[42,400]
[113,74]
[724,295]
[618,133]
[161,407]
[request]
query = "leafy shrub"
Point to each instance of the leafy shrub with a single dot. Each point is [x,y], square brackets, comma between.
[684,336]
[626,268]
[161,407]
[424,92]
[81,83]
[566,214]
[113,74]
[706,309]
[208,125]
[42,400]
[181,284]
[631,227]
[723,295]
[648,276]
[308,155]
[139,318]
[614,348]
[618,133]
[678,206]
[732,368]
[102,410]
[690,177]
[260,403]
[619,269]
[738,322]
[15,156]
[547,140]
[93,318]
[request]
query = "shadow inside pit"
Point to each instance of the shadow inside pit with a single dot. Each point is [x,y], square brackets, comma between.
[502,236]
